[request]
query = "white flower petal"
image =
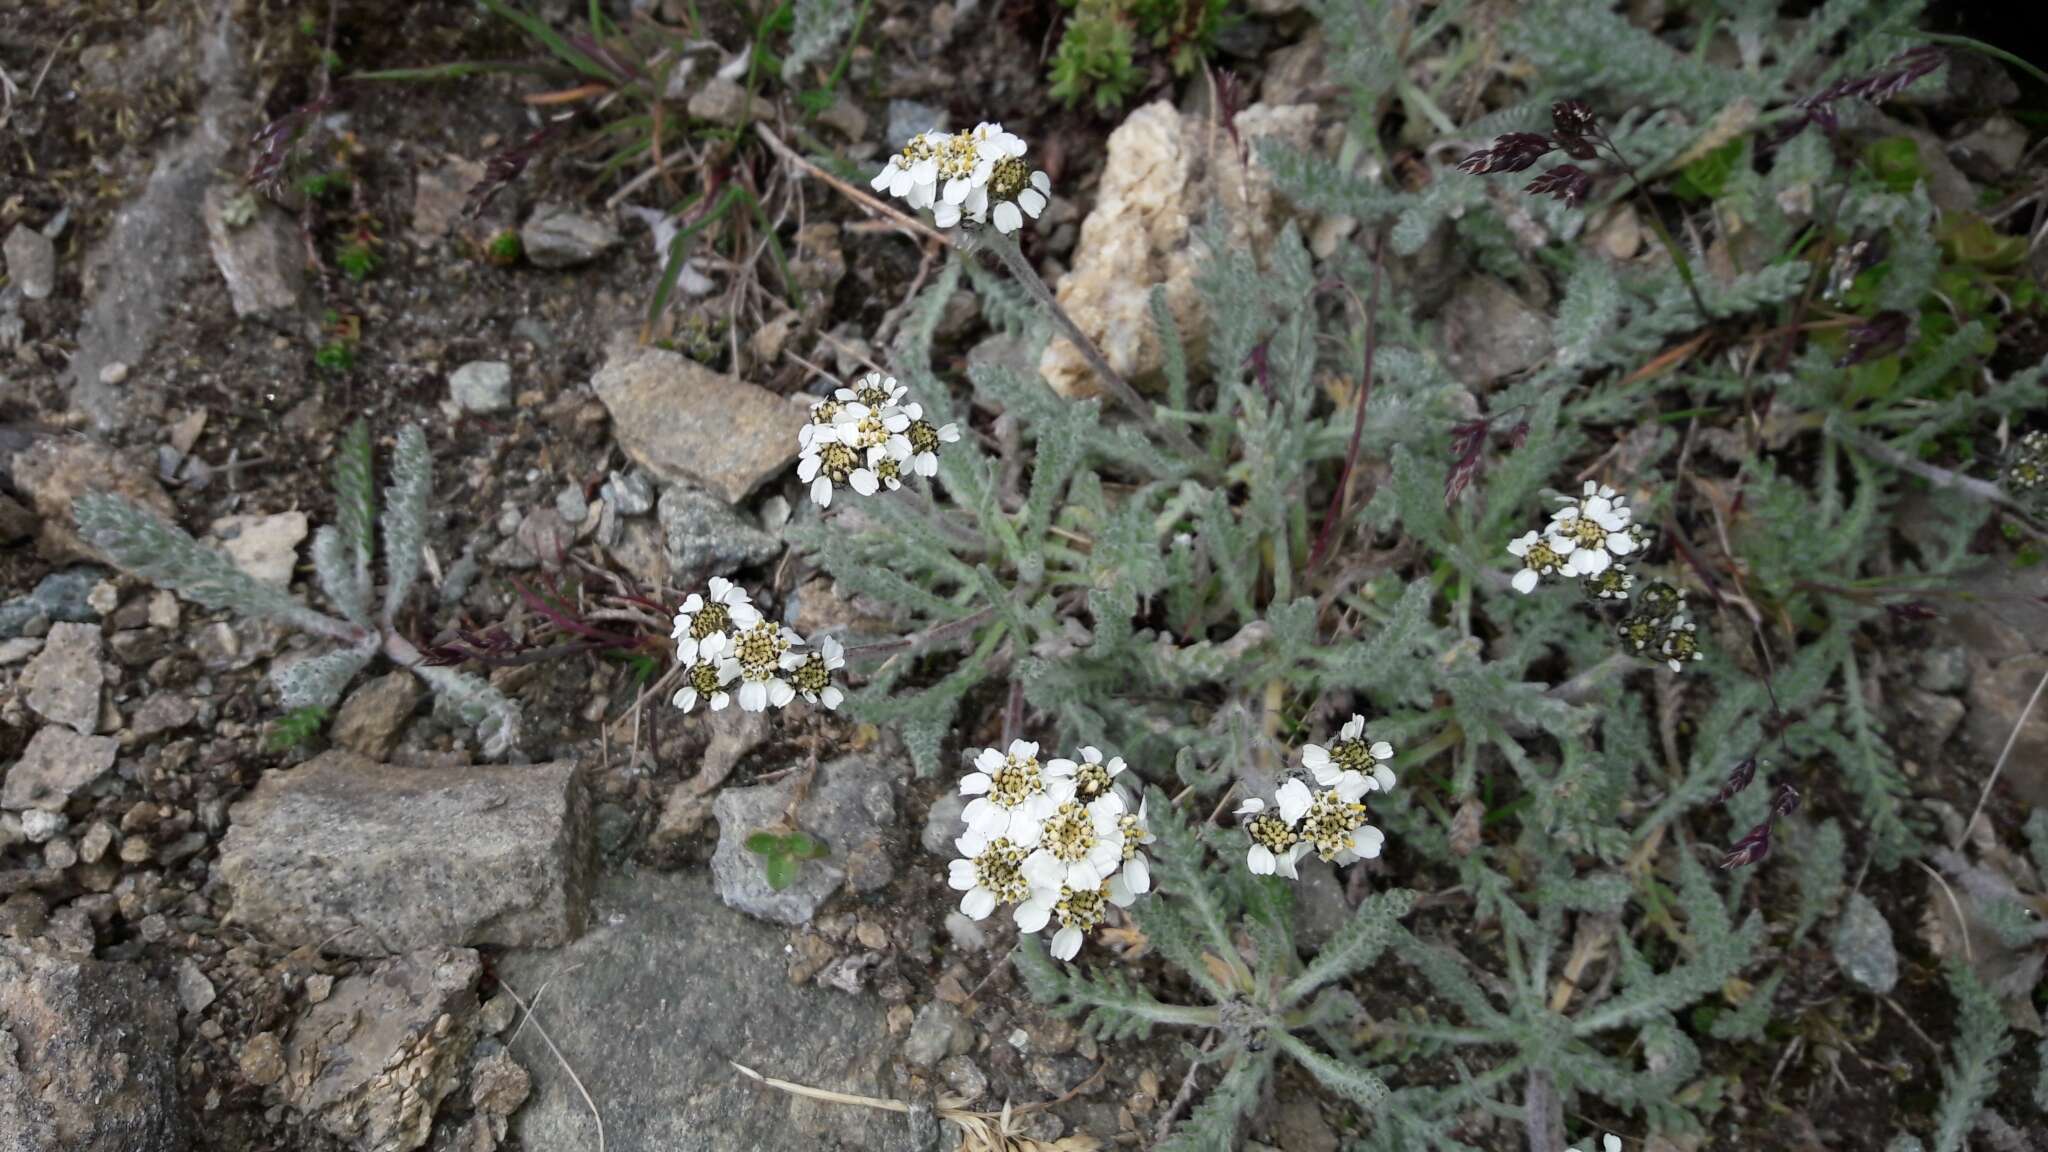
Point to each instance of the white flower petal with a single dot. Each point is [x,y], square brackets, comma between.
[1526,580]
[1007,218]
[960,875]
[1260,860]
[1033,914]
[1295,799]
[978,903]
[1066,943]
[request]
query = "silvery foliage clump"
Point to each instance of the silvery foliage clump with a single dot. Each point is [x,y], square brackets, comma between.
[143,544]
[1164,604]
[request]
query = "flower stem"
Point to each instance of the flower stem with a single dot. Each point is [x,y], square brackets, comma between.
[1021,270]
[1657,225]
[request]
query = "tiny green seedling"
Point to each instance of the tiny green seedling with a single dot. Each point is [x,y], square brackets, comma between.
[504,249]
[781,853]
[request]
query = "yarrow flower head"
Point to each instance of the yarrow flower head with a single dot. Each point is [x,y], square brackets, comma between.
[2026,470]
[1591,534]
[973,176]
[1053,838]
[1013,793]
[1351,756]
[727,610]
[1275,843]
[1093,777]
[812,679]
[758,658]
[867,438]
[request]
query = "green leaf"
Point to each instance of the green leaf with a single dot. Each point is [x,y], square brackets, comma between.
[763,843]
[803,846]
[1356,945]
[780,871]
[1347,1080]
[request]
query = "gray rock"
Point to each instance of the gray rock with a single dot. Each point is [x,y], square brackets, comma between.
[1934,718]
[557,236]
[55,471]
[87,1057]
[262,1059]
[31,262]
[266,547]
[937,1031]
[1490,334]
[481,386]
[703,537]
[907,118]
[374,715]
[368,859]
[257,247]
[1863,946]
[1320,909]
[943,825]
[195,991]
[1997,699]
[571,506]
[19,648]
[651,1004]
[162,712]
[38,825]
[498,1085]
[55,766]
[372,1061]
[964,1077]
[1945,669]
[439,195]
[135,270]
[629,493]
[684,423]
[63,682]
[720,101]
[60,596]
[851,806]
[1991,149]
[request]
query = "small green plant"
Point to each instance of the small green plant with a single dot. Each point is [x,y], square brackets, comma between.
[505,249]
[1096,61]
[782,852]
[295,728]
[357,258]
[140,542]
[336,356]
[330,184]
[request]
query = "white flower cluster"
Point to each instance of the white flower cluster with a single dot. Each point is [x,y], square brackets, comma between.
[722,638]
[1050,838]
[1328,819]
[977,176]
[1588,539]
[1608,1143]
[865,438]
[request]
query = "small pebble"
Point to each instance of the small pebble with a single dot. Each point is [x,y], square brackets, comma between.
[113,373]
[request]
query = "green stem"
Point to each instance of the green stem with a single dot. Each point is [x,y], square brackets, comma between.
[1996,53]
[1657,225]
[1118,388]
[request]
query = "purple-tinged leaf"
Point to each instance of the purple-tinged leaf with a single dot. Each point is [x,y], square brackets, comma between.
[1754,847]
[1574,118]
[1514,152]
[1566,182]
[1787,801]
[1876,87]
[1913,610]
[1879,336]
[1739,777]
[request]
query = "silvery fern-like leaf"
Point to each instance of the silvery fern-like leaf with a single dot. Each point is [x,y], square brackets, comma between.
[405,517]
[1353,1083]
[1975,1053]
[355,503]
[143,544]
[1212,1125]
[1356,945]
[1112,1005]
[1592,303]
[318,681]
[921,326]
[473,701]
[816,27]
[334,567]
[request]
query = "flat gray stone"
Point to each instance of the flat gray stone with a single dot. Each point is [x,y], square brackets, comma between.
[64,680]
[687,424]
[61,595]
[720,101]
[55,766]
[258,249]
[87,1056]
[650,1005]
[371,859]
[481,386]
[266,547]
[372,1061]
[557,236]
[1490,334]
[907,118]
[31,262]
[851,807]
[55,471]
[1863,945]
[703,537]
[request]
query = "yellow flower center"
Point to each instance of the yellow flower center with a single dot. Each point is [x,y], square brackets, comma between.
[1069,835]
[760,650]
[1016,781]
[704,678]
[1000,869]
[1010,176]
[838,462]
[812,677]
[1134,834]
[1090,781]
[1330,822]
[1082,909]
[1271,832]
[924,437]
[713,617]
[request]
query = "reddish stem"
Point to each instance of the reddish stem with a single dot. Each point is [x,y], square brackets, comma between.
[1327,535]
